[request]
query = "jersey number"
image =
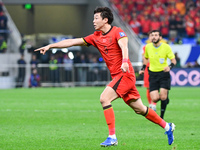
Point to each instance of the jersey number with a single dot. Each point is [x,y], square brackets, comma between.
[105,50]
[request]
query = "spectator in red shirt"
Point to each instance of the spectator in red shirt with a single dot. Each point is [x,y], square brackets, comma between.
[187,16]
[131,4]
[197,24]
[145,25]
[172,10]
[135,25]
[140,5]
[121,8]
[148,6]
[192,11]
[117,3]
[155,24]
[127,18]
[141,16]
[158,9]
[165,27]
[147,10]
[190,27]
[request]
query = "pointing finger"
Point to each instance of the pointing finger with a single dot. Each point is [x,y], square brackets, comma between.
[37,49]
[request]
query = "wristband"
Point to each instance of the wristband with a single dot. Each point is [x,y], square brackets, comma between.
[125,60]
[171,65]
[143,67]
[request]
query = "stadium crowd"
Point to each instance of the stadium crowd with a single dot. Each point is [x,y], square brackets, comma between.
[174,18]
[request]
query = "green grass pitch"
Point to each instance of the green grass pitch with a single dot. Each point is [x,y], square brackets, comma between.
[72,119]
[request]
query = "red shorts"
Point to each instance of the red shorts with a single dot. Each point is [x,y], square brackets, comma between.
[146,77]
[124,86]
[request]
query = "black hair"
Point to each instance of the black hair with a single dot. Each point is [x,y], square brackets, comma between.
[160,34]
[105,13]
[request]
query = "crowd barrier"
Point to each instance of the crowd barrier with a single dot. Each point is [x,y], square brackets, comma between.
[89,74]
[86,75]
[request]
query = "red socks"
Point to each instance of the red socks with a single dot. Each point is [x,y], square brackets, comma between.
[110,118]
[153,117]
[150,115]
[149,97]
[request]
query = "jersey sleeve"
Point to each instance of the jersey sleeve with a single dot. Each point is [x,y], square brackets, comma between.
[145,52]
[89,40]
[120,34]
[170,53]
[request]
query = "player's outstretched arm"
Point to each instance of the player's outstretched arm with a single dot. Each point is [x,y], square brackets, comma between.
[62,44]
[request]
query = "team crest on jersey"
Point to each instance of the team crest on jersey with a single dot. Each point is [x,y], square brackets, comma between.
[122,34]
[104,40]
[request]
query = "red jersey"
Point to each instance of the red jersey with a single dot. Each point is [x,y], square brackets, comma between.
[146,73]
[143,54]
[146,25]
[155,25]
[190,27]
[107,44]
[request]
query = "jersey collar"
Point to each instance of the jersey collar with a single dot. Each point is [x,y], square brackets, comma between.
[108,31]
[158,46]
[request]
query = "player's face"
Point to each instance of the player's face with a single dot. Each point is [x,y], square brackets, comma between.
[155,37]
[150,37]
[98,22]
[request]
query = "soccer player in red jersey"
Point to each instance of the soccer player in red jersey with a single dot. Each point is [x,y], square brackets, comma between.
[146,81]
[112,42]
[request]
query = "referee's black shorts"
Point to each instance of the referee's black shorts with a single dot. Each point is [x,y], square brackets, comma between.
[159,80]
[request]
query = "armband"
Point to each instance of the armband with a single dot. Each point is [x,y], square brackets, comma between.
[125,60]
[171,65]
[143,67]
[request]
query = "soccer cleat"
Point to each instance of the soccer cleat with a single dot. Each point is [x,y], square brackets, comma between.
[170,133]
[109,142]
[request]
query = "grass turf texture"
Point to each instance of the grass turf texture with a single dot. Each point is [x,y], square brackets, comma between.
[72,118]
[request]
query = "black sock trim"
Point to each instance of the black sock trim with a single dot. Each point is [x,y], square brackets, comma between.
[107,107]
[146,112]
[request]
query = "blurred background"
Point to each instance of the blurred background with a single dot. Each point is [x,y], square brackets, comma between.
[27,26]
